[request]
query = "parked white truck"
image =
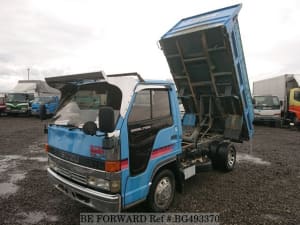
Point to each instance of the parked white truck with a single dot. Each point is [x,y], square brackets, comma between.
[277,99]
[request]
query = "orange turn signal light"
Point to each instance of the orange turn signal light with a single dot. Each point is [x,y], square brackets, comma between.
[46,147]
[112,166]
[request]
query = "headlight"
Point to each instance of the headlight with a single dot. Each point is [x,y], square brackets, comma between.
[115,186]
[98,183]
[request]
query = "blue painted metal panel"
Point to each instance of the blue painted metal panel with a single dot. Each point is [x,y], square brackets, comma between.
[204,21]
[206,58]
[189,119]
[137,187]
[242,76]
[73,141]
[50,106]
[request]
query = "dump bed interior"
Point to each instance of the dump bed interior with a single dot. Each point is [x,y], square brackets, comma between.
[206,60]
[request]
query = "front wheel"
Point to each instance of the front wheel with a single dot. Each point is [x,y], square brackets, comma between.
[162,191]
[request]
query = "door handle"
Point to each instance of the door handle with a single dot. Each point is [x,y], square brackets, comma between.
[174,137]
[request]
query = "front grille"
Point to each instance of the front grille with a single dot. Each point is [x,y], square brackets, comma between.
[71,175]
[78,159]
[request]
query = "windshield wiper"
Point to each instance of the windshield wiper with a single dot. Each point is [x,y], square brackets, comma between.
[69,126]
[72,127]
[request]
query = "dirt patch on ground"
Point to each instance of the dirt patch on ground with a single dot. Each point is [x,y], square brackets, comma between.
[264,188]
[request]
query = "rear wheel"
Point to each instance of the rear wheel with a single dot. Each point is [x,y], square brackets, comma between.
[225,157]
[227,154]
[162,191]
[213,154]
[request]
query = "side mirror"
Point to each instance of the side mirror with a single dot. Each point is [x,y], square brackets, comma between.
[106,117]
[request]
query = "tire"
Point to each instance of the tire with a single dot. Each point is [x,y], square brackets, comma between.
[296,123]
[213,148]
[215,163]
[162,191]
[213,155]
[223,157]
[42,112]
[279,124]
[226,157]
[276,124]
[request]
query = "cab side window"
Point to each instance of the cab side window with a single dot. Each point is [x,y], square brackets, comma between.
[150,104]
[141,109]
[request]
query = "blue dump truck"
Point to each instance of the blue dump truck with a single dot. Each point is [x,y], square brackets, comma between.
[47,103]
[118,140]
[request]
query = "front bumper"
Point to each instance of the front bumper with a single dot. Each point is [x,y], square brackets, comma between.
[261,118]
[2,109]
[35,112]
[97,200]
[16,111]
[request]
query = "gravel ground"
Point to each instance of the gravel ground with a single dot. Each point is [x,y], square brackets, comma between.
[263,189]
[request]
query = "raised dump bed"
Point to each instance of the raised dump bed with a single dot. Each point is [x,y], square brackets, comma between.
[206,60]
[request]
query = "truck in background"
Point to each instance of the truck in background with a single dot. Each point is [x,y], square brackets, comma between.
[47,103]
[118,140]
[267,109]
[278,99]
[2,104]
[20,98]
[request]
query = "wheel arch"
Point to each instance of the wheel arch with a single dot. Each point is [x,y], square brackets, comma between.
[171,164]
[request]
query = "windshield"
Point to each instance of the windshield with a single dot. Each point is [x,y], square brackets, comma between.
[43,100]
[83,105]
[19,97]
[267,102]
[297,95]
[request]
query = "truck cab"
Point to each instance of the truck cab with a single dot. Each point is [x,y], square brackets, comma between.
[19,103]
[294,106]
[48,103]
[267,108]
[109,138]
[267,92]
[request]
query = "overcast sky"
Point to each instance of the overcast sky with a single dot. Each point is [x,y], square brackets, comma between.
[59,37]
